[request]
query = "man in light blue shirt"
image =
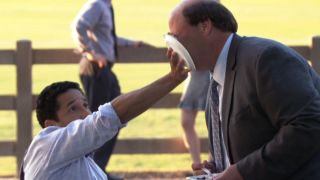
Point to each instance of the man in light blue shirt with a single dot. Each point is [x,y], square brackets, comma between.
[62,150]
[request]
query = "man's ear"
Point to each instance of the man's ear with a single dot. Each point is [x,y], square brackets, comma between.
[49,122]
[206,27]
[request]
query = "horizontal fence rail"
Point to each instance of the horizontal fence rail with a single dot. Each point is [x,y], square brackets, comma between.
[168,101]
[7,56]
[126,55]
[130,146]
[24,56]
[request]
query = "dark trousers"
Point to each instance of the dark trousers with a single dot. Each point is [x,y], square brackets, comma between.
[100,86]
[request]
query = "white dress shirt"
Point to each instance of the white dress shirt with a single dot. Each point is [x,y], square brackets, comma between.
[218,75]
[62,153]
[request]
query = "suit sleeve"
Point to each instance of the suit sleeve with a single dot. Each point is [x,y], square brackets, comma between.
[286,89]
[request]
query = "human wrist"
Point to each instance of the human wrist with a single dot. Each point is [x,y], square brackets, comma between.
[173,80]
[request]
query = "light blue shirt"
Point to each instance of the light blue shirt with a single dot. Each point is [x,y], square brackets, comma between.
[92,29]
[63,153]
[218,75]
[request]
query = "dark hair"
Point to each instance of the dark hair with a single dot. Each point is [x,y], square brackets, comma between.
[47,105]
[219,15]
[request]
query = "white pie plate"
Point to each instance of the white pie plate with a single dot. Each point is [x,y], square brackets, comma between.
[177,47]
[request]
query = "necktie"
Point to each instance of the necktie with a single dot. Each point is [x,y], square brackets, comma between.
[113,32]
[216,127]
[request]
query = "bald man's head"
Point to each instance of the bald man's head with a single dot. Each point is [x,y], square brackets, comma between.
[194,12]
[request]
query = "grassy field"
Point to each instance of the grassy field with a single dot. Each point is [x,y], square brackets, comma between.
[47,24]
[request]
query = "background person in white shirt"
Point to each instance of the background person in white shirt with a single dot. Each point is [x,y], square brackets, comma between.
[62,150]
[94,33]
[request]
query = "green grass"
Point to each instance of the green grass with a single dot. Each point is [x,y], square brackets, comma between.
[47,24]
[127,163]
[7,166]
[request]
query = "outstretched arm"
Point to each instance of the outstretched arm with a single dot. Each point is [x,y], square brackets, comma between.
[130,105]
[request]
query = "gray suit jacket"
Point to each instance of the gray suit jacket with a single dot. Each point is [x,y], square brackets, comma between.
[271,111]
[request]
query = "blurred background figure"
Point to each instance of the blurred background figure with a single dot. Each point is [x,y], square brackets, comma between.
[94,32]
[193,100]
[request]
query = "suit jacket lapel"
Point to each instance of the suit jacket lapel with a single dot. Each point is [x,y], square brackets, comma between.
[228,89]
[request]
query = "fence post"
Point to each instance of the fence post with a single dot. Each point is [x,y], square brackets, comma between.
[23,61]
[315,53]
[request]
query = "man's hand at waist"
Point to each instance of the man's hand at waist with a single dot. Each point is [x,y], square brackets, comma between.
[231,173]
[94,57]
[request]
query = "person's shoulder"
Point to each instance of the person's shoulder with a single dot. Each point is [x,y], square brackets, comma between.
[43,139]
[46,132]
[258,44]
[94,4]
[262,42]
[49,129]
[98,3]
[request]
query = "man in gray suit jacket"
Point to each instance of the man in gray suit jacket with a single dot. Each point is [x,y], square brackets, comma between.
[268,103]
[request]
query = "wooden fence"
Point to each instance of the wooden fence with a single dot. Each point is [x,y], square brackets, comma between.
[24,56]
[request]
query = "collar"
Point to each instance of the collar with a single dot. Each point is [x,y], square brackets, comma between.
[220,68]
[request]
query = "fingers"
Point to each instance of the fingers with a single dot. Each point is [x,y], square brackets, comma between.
[175,62]
[182,66]
[204,164]
[169,53]
[102,63]
[196,166]
[100,60]
[178,71]
[174,58]
[144,44]
[208,165]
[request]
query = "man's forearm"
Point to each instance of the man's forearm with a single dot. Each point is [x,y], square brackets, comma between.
[136,102]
